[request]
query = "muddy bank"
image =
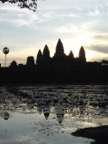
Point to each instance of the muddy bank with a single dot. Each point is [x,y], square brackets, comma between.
[99,134]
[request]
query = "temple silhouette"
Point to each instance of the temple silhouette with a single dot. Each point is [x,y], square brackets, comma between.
[59,68]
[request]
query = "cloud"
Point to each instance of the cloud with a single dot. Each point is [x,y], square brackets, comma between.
[98,10]
[101,37]
[95,12]
[99,48]
[82,22]
[70,15]
[17,17]
[17,138]
[80,27]
[68,28]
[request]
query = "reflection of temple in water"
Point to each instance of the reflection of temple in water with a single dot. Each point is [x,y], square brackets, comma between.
[39,109]
[59,112]
[51,103]
[44,107]
[46,111]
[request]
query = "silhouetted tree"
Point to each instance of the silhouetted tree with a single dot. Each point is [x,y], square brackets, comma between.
[30,61]
[13,64]
[5,51]
[105,62]
[59,50]
[39,60]
[29,4]
[82,56]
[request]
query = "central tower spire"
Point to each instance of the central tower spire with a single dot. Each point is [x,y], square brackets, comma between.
[59,49]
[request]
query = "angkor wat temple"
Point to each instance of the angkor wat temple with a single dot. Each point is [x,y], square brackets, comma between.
[59,68]
[59,62]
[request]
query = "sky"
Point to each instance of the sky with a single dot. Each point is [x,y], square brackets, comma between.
[76,22]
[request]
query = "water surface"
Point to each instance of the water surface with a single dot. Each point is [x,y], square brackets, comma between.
[47,114]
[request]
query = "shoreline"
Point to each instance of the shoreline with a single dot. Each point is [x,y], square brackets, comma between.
[49,83]
[99,134]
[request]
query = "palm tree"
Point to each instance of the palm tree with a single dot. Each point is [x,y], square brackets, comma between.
[5,51]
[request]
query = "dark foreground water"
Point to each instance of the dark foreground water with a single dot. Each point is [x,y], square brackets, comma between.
[48,114]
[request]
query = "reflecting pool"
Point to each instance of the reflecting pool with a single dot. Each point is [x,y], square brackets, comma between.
[48,114]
